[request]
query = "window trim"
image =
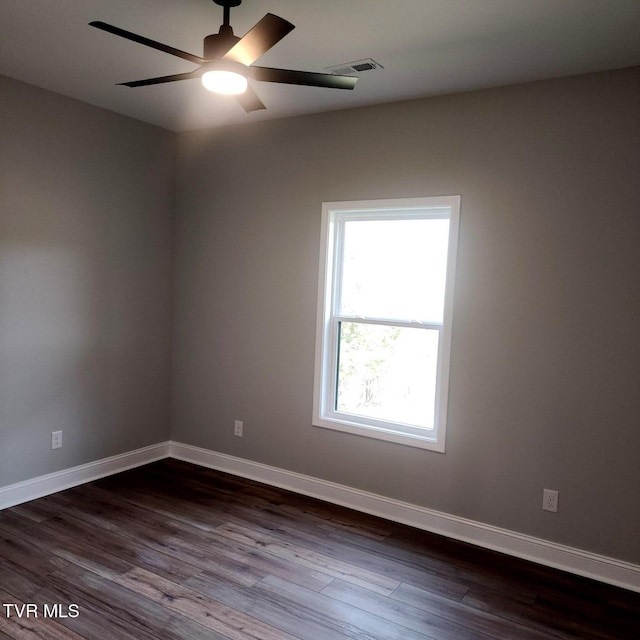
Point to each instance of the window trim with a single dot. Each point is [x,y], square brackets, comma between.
[333,213]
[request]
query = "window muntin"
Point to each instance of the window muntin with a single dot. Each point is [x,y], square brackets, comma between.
[384,318]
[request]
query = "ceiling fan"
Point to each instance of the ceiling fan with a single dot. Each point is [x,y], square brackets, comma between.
[227,61]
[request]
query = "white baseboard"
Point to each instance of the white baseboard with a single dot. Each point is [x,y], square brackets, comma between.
[584,563]
[20,492]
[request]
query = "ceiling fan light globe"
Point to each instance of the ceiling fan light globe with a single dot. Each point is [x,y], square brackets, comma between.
[228,83]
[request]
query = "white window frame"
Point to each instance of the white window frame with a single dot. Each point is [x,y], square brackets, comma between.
[325,413]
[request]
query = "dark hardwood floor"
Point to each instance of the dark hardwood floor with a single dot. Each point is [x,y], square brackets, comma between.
[176,551]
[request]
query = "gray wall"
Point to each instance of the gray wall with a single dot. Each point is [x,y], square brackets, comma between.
[86,228]
[545,384]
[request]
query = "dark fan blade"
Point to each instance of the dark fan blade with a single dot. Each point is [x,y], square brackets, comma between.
[249,101]
[145,41]
[259,40]
[160,80]
[309,78]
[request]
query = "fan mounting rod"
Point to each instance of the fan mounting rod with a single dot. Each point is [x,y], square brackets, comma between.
[227,4]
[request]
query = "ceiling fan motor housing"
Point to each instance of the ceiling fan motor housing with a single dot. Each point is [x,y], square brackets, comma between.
[217,44]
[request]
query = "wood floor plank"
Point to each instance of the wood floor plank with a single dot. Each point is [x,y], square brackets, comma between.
[174,555]
[477,619]
[499,602]
[60,545]
[20,582]
[408,570]
[120,612]
[126,548]
[171,551]
[191,545]
[303,624]
[32,629]
[351,620]
[270,564]
[307,558]
[336,521]
[191,512]
[210,613]
[449,575]
[570,614]
[17,545]
[142,532]
[461,561]
[422,620]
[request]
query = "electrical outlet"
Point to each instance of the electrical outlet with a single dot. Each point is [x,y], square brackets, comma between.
[56,439]
[237,428]
[550,500]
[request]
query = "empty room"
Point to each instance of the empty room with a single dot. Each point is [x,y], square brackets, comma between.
[320,320]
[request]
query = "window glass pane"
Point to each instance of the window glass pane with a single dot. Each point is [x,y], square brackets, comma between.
[387,373]
[394,268]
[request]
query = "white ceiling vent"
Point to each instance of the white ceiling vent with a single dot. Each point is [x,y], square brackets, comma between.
[351,68]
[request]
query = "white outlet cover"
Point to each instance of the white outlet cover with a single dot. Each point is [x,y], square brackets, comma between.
[56,439]
[550,500]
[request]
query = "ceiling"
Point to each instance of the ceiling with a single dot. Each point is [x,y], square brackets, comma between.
[427,47]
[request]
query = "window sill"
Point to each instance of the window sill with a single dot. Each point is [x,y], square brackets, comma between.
[428,442]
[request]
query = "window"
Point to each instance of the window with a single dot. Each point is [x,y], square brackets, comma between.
[384,318]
